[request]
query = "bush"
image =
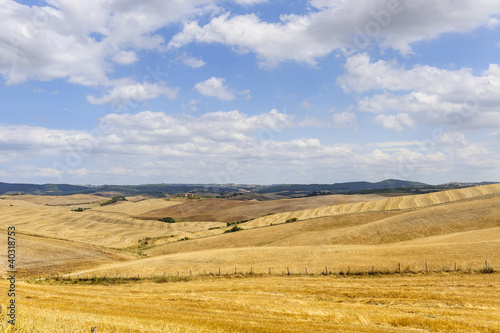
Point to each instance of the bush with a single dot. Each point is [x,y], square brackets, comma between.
[79,209]
[113,200]
[167,220]
[486,270]
[233,229]
[293,219]
[213,228]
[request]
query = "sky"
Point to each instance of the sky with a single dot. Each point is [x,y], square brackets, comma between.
[249,91]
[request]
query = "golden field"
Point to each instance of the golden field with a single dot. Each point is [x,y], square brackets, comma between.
[413,303]
[439,241]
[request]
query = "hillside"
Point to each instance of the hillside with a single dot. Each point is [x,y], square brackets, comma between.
[394,203]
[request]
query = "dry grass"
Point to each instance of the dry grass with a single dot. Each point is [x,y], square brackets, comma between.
[395,203]
[139,207]
[439,229]
[232,211]
[431,303]
[42,256]
[57,200]
[91,226]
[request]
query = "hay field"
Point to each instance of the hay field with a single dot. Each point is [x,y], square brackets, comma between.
[94,226]
[38,256]
[57,200]
[454,229]
[231,211]
[406,303]
[395,203]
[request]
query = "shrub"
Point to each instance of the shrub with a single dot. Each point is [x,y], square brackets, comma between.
[113,200]
[486,270]
[167,220]
[293,219]
[233,229]
[79,209]
[213,228]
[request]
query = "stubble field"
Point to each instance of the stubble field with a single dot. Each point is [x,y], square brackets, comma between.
[414,264]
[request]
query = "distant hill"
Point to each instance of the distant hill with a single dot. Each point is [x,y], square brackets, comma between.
[283,190]
[350,187]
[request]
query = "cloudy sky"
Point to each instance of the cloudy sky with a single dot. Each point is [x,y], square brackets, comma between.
[249,91]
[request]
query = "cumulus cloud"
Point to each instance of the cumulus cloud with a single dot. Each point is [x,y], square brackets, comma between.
[79,41]
[395,122]
[344,119]
[214,87]
[339,26]
[125,91]
[223,147]
[190,61]
[424,94]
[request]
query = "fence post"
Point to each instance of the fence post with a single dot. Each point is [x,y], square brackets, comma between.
[219,271]
[269,270]
[288,271]
[348,269]
[373,270]
[486,263]
[326,270]
[399,267]
[235,271]
[455,266]
[426,268]
[251,270]
[306,271]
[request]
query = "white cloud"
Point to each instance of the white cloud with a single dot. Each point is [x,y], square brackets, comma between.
[214,87]
[424,94]
[126,90]
[191,61]
[223,146]
[395,122]
[78,173]
[125,57]
[344,119]
[453,139]
[339,25]
[79,41]
[249,2]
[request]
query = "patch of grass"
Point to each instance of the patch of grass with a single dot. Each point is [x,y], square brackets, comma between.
[486,270]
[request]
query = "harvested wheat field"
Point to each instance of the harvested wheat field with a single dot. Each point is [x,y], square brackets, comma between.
[394,303]
[399,264]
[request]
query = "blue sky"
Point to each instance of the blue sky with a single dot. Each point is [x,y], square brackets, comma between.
[249,91]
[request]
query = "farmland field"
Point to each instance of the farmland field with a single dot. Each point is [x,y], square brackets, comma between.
[362,263]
